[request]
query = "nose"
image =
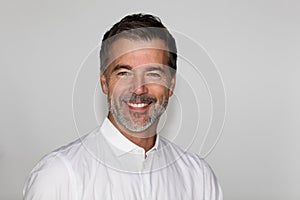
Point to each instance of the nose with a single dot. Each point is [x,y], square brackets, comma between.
[138,86]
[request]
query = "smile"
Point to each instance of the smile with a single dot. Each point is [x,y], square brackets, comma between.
[137,105]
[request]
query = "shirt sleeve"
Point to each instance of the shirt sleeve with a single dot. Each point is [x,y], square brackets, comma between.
[51,179]
[212,188]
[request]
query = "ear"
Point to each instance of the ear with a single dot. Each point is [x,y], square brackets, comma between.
[172,85]
[103,83]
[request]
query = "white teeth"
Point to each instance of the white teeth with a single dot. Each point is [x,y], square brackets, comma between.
[137,105]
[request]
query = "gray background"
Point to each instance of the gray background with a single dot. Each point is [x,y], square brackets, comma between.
[255,44]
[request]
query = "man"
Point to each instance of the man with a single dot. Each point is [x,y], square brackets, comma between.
[125,158]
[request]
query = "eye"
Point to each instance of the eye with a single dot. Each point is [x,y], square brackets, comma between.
[123,74]
[154,75]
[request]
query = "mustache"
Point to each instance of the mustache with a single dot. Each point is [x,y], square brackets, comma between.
[138,98]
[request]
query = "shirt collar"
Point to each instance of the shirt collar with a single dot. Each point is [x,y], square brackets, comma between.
[120,143]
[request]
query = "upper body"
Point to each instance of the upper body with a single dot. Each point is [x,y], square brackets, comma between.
[106,165]
[126,158]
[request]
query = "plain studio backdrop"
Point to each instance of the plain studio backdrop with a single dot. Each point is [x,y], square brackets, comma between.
[254,44]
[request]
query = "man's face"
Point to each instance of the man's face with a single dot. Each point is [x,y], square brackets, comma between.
[138,83]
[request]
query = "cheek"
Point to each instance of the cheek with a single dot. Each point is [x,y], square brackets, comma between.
[159,91]
[115,92]
[116,88]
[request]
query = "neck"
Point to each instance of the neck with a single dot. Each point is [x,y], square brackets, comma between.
[145,139]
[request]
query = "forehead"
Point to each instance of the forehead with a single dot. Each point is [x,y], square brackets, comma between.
[138,52]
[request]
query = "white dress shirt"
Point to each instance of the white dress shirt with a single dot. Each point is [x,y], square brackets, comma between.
[104,165]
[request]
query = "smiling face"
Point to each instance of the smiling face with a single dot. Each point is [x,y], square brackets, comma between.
[138,83]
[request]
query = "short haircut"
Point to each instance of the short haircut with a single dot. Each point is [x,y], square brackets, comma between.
[138,27]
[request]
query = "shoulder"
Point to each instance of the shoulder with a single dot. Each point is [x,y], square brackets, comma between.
[190,159]
[49,177]
[175,152]
[195,167]
[55,174]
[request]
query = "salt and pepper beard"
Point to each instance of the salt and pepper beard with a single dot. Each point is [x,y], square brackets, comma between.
[154,114]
